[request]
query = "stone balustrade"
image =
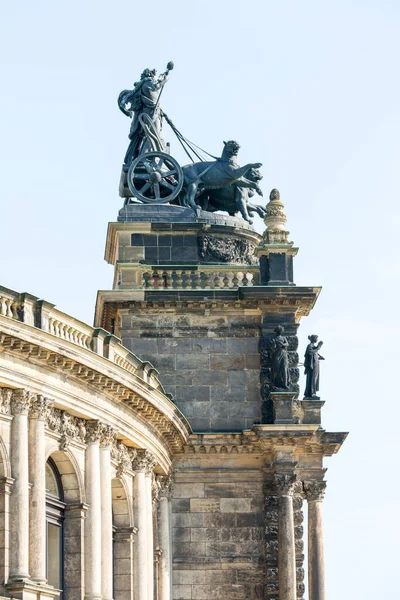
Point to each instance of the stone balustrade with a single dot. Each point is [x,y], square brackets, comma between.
[215,278]
[68,328]
[9,303]
[43,315]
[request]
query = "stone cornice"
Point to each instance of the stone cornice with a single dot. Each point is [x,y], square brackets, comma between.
[100,375]
[263,299]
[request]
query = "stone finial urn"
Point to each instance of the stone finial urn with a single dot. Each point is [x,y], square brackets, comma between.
[275,221]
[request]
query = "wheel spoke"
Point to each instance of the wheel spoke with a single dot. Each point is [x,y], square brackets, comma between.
[148,166]
[157,190]
[141,176]
[145,187]
[169,173]
[167,184]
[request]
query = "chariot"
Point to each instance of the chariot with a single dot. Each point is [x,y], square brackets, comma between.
[154,176]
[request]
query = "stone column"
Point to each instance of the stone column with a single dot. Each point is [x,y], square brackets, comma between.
[19,510]
[107,439]
[93,539]
[143,465]
[314,491]
[285,484]
[37,475]
[164,528]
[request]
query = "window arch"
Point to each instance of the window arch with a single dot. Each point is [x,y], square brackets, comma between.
[54,527]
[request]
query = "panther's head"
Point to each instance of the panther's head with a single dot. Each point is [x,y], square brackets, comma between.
[231,148]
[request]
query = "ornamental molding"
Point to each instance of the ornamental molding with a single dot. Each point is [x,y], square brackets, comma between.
[314,490]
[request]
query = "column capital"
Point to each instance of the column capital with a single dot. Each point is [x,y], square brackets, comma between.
[285,483]
[108,436]
[144,461]
[314,490]
[40,407]
[166,484]
[94,431]
[21,401]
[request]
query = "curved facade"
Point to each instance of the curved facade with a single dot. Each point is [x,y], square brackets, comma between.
[87,443]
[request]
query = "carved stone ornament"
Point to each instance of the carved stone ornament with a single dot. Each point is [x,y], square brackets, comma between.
[5,400]
[94,431]
[108,436]
[68,427]
[314,490]
[285,484]
[40,407]
[224,249]
[166,486]
[124,457]
[144,461]
[20,402]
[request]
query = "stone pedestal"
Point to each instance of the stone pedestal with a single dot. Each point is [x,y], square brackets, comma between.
[28,590]
[312,411]
[283,407]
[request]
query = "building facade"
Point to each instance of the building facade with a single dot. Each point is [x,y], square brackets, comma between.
[152,456]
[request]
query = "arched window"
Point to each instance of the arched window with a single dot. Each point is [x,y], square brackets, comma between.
[55,527]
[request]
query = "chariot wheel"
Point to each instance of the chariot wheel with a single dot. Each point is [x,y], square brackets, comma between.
[155,178]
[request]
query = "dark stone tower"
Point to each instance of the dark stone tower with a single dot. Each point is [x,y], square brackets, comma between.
[190,296]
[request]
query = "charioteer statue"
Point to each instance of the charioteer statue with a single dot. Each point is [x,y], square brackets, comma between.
[152,176]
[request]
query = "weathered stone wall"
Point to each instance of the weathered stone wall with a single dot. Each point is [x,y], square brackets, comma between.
[218,530]
[210,363]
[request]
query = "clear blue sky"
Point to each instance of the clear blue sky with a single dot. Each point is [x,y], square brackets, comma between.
[311,89]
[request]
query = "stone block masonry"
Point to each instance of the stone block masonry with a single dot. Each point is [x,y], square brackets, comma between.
[209,363]
[218,543]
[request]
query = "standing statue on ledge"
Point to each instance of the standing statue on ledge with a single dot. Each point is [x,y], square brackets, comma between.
[144,99]
[311,367]
[280,360]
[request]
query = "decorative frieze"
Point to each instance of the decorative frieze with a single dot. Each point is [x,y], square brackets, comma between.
[68,427]
[124,457]
[144,461]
